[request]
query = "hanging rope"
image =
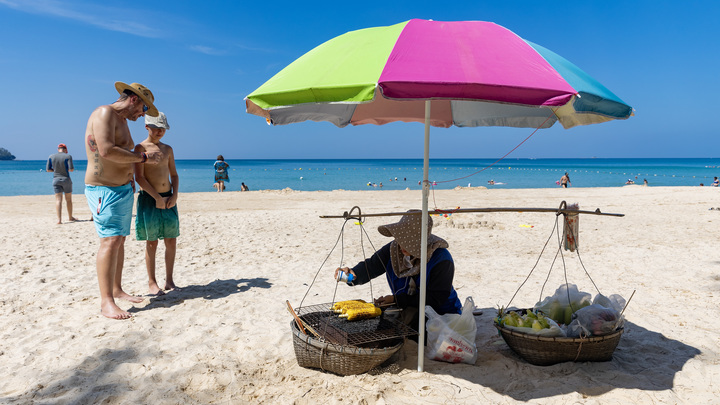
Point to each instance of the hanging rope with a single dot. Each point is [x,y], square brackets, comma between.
[556,231]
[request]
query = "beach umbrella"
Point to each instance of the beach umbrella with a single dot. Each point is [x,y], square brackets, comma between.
[462,73]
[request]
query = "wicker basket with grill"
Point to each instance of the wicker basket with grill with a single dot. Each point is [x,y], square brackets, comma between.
[325,340]
[345,347]
[544,350]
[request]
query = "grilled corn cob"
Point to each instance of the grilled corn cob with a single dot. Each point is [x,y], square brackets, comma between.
[342,304]
[359,305]
[361,313]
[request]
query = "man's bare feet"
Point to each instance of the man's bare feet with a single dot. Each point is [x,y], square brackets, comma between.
[170,286]
[112,311]
[73,219]
[58,223]
[122,295]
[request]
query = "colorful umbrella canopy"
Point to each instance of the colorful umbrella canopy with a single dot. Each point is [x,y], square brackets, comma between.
[477,74]
[464,73]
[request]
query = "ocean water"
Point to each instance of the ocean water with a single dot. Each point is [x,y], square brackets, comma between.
[28,177]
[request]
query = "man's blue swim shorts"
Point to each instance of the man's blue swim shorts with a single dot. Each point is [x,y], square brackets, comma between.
[111,208]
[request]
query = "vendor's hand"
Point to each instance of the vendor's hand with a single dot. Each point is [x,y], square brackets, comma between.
[386,300]
[343,269]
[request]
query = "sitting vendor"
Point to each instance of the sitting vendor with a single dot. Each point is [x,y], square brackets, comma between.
[399,260]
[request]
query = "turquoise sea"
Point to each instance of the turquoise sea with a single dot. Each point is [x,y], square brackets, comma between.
[28,177]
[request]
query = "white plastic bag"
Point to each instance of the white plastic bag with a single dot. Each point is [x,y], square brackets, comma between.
[451,337]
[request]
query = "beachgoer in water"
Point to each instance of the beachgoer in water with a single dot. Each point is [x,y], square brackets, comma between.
[109,185]
[221,173]
[565,180]
[156,213]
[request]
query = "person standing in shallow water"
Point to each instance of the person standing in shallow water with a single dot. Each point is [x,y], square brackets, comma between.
[221,173]
[109,186]
[565,180]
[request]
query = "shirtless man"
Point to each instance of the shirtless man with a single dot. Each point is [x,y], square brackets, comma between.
[156,213]
[109,185]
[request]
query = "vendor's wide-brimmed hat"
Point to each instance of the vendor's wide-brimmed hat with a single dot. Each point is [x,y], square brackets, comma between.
[407,232]
[143,92]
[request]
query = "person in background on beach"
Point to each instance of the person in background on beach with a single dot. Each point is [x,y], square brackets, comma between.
[221,174]
[565,180]
[61,164]
[399,261]
[243,187]
[156,211]
[645,183]
[109,185]
[716,182]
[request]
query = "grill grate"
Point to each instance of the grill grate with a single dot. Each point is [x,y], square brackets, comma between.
[366,332]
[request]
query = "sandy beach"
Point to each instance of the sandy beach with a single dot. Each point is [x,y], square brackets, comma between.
[225,336]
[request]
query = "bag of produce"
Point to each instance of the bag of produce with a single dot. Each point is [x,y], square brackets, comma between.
[558,308]
[594,320]
[451,337]
[530,323]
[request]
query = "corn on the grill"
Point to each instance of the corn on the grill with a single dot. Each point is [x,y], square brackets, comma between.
[341,304]
[354,314]
[359,305]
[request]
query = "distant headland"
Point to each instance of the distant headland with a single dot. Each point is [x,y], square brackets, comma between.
[6,155]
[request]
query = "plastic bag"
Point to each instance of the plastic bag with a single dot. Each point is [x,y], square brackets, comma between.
[553,331]
[557,306]
[594,320]
[451,337]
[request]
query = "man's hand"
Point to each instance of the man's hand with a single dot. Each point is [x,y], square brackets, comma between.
[154,158]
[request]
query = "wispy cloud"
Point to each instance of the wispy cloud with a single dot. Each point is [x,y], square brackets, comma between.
[108,18]
[207,50]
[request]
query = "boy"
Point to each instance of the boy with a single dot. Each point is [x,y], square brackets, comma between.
[157,214]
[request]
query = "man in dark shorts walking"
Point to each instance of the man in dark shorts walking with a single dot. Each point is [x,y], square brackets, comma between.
[61,164]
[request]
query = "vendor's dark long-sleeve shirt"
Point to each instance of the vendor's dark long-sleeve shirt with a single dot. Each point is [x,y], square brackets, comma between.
[439,281]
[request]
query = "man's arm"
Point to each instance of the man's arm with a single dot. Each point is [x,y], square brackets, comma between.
[104,133]
[160,202]
[48,165]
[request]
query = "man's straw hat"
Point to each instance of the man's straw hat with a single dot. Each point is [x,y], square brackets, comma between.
[143,92]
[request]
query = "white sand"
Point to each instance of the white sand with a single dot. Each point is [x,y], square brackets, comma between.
[225,338]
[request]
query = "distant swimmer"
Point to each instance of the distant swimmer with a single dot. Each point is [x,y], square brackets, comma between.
[629,181]
[491,182]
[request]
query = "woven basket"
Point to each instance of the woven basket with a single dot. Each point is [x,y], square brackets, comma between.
[544,351]
[338,359]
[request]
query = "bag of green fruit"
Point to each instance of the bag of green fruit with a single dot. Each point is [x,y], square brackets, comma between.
[558,308]
[530,323]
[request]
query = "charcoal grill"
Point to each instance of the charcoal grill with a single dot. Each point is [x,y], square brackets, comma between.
[327,326]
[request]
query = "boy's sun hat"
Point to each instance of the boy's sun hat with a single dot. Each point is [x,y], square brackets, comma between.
[157,122]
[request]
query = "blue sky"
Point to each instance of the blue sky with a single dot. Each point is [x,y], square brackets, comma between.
[59,60]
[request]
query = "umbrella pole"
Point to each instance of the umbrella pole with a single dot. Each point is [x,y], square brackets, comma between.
[423,240]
